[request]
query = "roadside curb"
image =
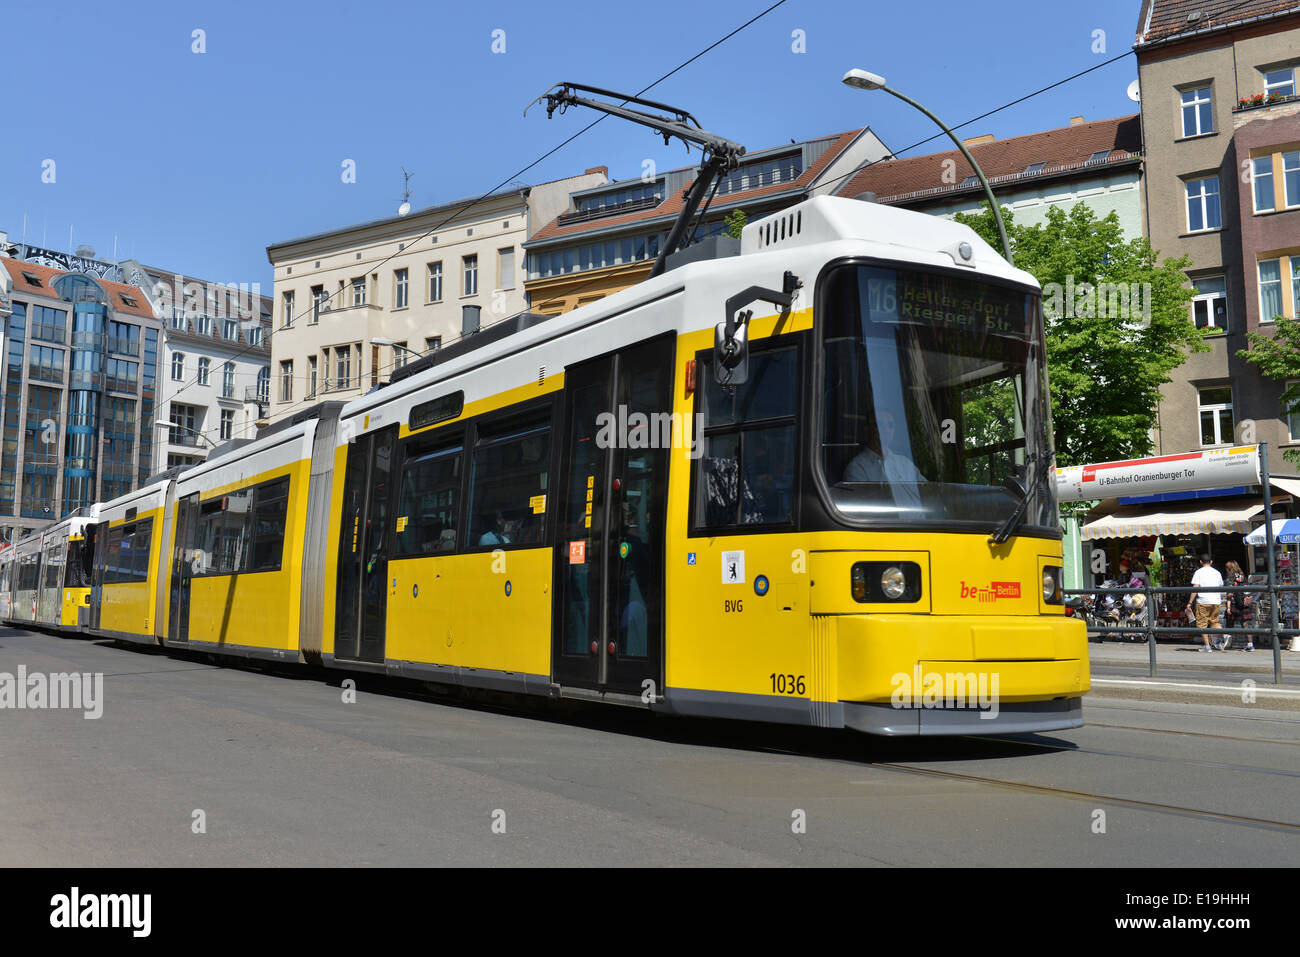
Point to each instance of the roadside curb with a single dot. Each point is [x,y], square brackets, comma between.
[1148,689]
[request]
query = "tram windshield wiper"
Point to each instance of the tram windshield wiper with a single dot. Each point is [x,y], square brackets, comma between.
[1024,492]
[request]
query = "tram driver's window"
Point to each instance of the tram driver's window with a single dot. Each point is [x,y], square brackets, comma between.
[746,469]
[509,484]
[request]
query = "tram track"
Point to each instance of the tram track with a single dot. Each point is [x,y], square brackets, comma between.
[1094,798]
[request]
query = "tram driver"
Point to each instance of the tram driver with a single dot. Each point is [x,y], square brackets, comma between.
[879,461]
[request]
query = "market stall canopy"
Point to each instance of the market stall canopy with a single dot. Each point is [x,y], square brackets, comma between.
[1228,516]
[1286,531]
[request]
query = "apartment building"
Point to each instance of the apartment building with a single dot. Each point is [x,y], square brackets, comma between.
[412,282]
[1221,124]
[607,237]
[1098,163]
[215,362]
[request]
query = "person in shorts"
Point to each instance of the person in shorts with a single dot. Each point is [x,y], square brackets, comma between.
[1208,602]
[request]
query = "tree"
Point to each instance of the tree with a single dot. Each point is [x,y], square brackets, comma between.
[1116,323]
[735,222]
[1278,357]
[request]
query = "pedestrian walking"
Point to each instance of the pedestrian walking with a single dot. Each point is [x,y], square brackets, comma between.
[1208,600]
[1240,605]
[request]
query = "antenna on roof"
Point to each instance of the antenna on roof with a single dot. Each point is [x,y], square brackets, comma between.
[406,193]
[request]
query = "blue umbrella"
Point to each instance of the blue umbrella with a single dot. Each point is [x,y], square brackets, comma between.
[1286,531]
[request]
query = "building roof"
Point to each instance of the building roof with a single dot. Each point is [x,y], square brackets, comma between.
[134,303]
[1165,20]
[1062,151]
[672,203]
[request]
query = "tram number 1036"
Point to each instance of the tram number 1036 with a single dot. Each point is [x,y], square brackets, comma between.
[788,684]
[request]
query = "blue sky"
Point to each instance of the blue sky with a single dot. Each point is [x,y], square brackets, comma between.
[197,162]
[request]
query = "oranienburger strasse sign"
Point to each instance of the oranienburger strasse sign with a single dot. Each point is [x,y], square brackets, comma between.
[1213,468]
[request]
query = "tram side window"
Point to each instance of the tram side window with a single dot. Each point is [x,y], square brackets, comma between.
[222,534]
[27,573]
[429,501]
[128,552]
[745,474]
[51,575]
[270,506]
[508,485]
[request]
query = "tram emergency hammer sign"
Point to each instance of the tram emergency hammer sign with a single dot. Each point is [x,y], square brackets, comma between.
[1213,468]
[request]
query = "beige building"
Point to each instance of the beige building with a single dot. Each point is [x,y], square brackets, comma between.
[421,280]
[1221,127]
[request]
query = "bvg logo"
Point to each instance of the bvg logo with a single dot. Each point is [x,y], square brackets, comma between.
[993,592]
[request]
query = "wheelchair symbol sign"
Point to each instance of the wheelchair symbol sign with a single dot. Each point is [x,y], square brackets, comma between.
[690,558]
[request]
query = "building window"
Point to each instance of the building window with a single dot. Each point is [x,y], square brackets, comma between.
[311,377]
[227,424]
[178,366]
[286,381]
[399,299]
[1261,174]
[435,282]
[1203,204]
[230,329]
[1270,289]
[506,268]
[1031,170]
[184,425]
[399,354]
[1295,287]
[203,325]
[204,365]
[359,291]
[470,287]
[1215,408]
[255,336]
[288,309]
[264,384]
[228,381]
[432,344]
[1279,82]
[1210,304]
[1291,177]
[343,368]
[317,303]
[1198,113]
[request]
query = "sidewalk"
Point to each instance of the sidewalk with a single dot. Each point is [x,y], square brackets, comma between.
[1186,674]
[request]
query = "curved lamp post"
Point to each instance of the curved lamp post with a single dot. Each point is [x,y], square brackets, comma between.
[862,80]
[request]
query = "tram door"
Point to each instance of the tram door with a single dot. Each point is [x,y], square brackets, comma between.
[361,608]
[97,545]
[610,542]
[183,567]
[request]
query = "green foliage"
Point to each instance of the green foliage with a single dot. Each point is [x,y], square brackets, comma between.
[1104,370]
[1278,357]
[735,222]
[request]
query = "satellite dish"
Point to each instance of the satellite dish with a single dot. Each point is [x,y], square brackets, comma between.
[1134,92]
[403,209]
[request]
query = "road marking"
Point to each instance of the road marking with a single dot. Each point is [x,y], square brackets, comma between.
[1235,689]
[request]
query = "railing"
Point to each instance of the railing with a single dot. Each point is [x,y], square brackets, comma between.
[117,384]
[178,437]
[601,212]
[125,347]
[47,332]
[1149,630]
[45,373]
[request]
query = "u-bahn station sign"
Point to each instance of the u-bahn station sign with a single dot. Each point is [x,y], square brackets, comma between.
[1187,472]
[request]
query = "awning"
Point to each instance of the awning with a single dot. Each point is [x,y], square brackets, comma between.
[1190,518]
[1289,485]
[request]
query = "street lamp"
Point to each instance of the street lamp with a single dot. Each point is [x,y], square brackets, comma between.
[862,80]
[381,341]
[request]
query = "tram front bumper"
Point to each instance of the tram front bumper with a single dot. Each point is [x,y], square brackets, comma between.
[934,674]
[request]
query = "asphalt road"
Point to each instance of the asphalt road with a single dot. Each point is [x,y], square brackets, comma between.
[286,773]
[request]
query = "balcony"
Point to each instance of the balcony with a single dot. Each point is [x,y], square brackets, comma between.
[48,333]
[124,347]
[117,384]
[176,436]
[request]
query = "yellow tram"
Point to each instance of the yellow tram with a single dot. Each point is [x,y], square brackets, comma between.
[833,510]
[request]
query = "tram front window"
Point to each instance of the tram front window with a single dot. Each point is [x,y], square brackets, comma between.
[933,394]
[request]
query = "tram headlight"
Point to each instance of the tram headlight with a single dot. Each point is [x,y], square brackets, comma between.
[893,582]
[1052,584]
[886,582]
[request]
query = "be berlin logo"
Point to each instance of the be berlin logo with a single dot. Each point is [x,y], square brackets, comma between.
[57,691]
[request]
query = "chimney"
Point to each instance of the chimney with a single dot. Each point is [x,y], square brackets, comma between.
[599,170]
[1076,120]
[977,140]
